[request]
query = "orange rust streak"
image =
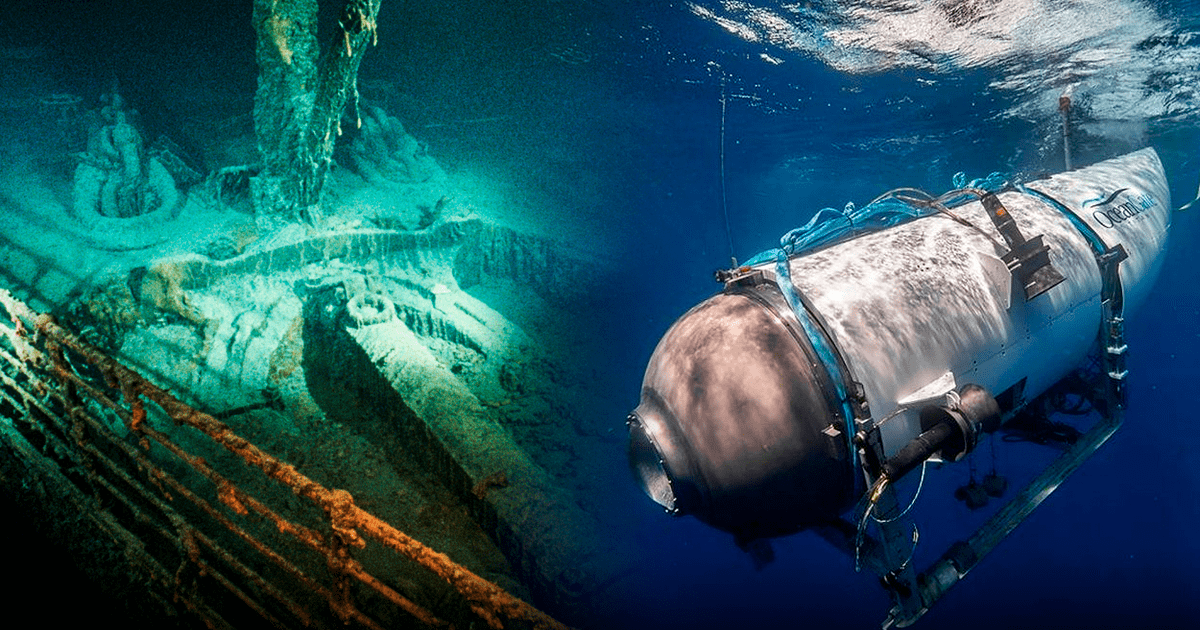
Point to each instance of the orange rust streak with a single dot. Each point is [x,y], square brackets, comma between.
[477,590]
[485,597]
[231,526]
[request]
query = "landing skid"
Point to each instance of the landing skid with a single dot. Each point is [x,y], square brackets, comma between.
[889,555]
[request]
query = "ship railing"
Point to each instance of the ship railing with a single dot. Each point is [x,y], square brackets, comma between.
[192,527]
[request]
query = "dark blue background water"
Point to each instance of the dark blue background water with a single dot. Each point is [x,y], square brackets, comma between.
[625,98]
[1114,547]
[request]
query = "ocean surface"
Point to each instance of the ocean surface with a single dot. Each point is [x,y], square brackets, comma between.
[673,136]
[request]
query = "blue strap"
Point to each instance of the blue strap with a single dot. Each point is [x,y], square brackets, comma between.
[1112,298]
[824,349]
[1094,241]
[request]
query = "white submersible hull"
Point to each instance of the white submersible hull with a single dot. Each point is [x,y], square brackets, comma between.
[774,405]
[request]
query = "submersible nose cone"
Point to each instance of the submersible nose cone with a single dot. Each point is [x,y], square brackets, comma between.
[734,421]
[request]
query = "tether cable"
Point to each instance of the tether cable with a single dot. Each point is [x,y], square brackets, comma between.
[724,197]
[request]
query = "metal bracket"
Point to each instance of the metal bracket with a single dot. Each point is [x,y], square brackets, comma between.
[740,277]
[961,557]
[1029,259]
[1112,333]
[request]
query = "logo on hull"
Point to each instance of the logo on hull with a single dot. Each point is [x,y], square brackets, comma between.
[1129,206]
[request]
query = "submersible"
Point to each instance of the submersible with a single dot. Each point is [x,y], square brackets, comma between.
[867,344]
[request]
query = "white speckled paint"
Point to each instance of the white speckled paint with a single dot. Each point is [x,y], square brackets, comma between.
[908,304]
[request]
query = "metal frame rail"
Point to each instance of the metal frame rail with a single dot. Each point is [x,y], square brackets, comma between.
[61,389]
[1107,398]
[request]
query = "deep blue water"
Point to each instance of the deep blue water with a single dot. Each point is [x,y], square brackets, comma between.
[1114,547]
[822,105]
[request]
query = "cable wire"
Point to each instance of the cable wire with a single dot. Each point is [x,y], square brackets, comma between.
[920,484]
[724,197]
